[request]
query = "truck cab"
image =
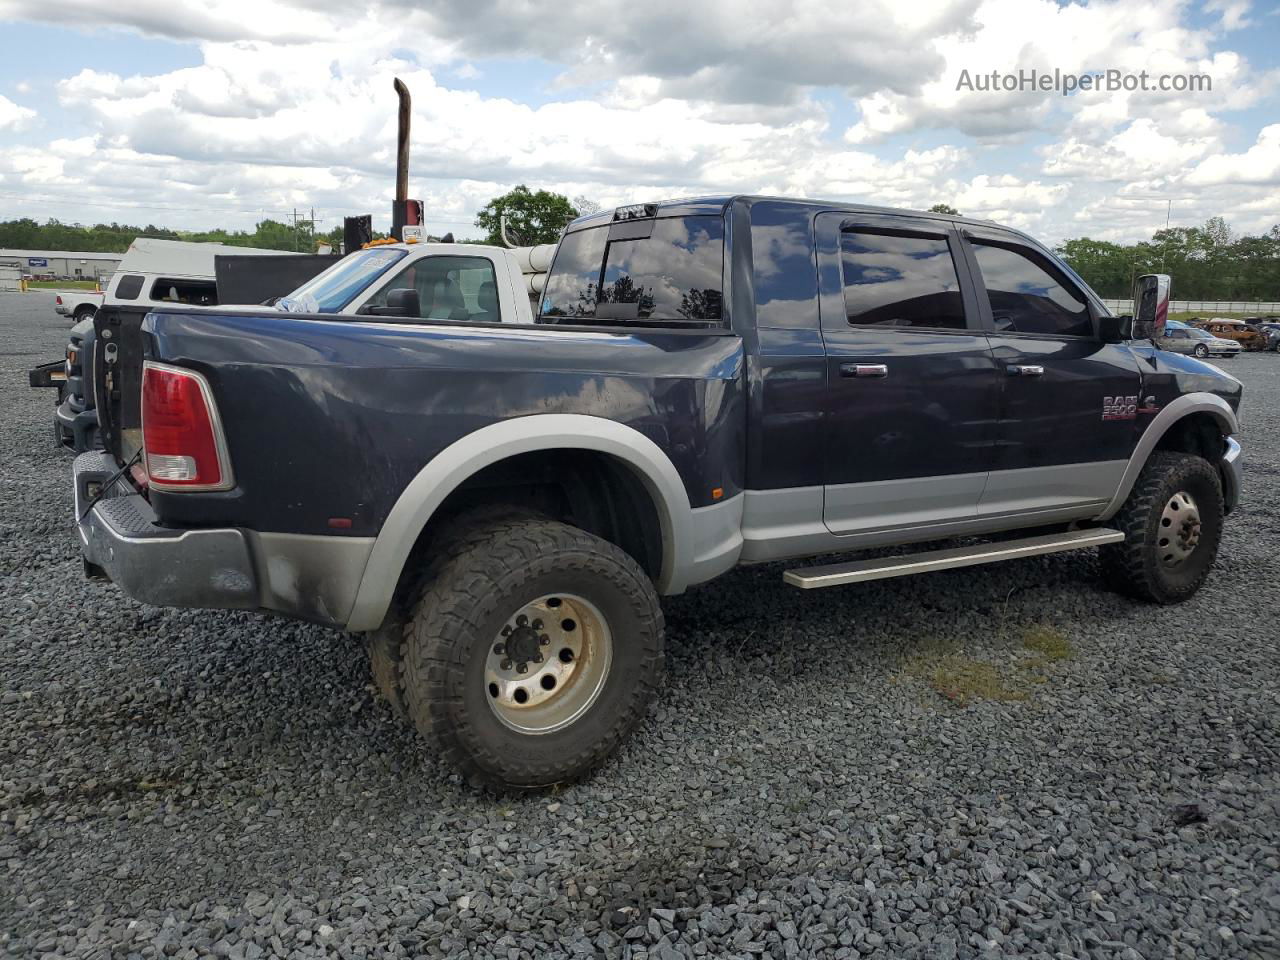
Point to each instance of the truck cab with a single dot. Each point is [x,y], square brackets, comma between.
[425,281]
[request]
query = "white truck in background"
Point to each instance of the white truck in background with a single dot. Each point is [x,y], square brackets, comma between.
[155,271]
[469,282]
[80,305]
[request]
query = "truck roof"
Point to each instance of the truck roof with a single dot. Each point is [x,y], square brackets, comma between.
[182,258]
[710,206]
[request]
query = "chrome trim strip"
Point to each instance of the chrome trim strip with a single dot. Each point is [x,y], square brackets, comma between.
[1046,488]
[859,571]
[852,508]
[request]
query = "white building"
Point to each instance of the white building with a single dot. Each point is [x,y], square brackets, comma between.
[63,264]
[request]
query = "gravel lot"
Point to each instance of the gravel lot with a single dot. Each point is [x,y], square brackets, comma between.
[1002,761]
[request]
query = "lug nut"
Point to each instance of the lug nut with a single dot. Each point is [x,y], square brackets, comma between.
[537,624]
[499,648]
[544,640]
[506,631]
[522,668]
[537,658]
[506,664]
[521,620]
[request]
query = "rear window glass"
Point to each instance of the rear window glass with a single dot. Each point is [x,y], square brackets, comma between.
[129,287]
[671,275]
[202,293]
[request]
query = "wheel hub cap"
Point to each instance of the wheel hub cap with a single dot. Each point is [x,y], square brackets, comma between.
[1179,529]
[548,663]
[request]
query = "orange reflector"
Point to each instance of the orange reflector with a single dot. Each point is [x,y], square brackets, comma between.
[717,493]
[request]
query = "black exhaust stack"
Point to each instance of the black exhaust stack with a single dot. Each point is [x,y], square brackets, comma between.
[404,212]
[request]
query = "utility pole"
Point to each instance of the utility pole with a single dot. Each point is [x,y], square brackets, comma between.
[298,221]
[1164,251]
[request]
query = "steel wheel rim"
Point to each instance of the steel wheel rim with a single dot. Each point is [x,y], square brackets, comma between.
[1179,532]
[565,646]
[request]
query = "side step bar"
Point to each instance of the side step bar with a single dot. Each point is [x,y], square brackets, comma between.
[881,568]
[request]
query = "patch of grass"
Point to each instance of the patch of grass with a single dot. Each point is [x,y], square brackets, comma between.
[61,285]
[1048,643]
[962,679]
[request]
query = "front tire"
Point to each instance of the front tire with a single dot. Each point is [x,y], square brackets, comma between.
[1172,523]
[532,652]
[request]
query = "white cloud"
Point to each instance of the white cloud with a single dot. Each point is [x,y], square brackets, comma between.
[1233,13]
[1260,164]
[13,116]
[291,104]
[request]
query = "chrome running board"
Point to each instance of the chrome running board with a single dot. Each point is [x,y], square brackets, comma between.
[880,568]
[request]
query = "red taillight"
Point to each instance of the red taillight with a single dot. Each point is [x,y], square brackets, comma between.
[58,299]
[181,437]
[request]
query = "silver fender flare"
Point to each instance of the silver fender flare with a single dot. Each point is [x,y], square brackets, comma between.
[1181,407]
[551,431]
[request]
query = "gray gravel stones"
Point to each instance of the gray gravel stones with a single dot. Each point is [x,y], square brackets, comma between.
[184,784]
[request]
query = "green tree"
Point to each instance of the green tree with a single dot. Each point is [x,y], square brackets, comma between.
[1107,267]
[531,217]
[944,208]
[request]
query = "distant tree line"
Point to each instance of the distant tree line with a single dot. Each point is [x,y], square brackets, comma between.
[1209,262]
[28,234]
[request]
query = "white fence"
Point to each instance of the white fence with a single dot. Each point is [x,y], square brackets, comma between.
[1208,308]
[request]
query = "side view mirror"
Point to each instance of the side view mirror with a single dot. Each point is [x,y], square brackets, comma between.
[401,302]
[1150,306]
[1113,329]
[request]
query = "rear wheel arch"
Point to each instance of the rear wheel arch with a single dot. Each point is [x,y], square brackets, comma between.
[446,478]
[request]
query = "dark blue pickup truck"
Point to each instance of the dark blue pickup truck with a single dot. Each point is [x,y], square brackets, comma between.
[707,383]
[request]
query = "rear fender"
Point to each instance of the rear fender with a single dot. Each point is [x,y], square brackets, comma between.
[465,457]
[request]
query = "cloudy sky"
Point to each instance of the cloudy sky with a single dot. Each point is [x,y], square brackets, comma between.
[198,113]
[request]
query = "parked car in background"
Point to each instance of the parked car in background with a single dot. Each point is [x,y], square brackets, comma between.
[80,305]
[1181,338]
[1249,338]
[1270,327]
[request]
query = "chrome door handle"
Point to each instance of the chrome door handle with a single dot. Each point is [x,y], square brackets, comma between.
[874,371]
[1025,370]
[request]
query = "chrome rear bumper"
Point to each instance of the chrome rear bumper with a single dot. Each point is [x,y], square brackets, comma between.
[308,577]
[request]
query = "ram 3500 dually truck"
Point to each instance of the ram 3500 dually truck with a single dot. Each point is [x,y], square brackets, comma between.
[707,383]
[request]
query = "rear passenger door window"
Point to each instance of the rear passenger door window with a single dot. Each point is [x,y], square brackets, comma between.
[1027,295]
[900,280]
